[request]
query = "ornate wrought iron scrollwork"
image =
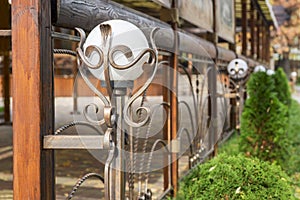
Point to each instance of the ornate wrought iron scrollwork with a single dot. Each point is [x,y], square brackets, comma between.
[105,61]
[106,58]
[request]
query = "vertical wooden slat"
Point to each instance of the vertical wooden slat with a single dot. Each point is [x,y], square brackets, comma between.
[252,30]
[232,46]
[33,99]
[47,101]
[258,38]
[264,39]
[174,102]
[244,27]
[268,36]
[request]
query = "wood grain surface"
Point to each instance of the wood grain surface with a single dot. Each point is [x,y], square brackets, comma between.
[33,167]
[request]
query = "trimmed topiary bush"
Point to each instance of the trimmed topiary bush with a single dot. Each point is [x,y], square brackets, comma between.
[264,121]
[282,87]
[236,177]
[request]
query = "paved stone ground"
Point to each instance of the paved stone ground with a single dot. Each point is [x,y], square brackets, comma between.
[296,94]
[70,165]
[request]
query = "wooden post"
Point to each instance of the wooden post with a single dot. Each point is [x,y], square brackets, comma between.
[252,30]
[232,46]
[258,38]
[33,168]
[174,102]
[264,40]
[244,27]
[4,51]
[267,48]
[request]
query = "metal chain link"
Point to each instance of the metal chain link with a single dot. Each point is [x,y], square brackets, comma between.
[64,51]
[80,182]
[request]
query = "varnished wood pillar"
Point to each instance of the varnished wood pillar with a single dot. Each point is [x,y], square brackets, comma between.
[33,167]
[174,101]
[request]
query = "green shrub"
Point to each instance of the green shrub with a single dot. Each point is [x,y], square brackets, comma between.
[236,177]
[293,165]
[264,121]
[1,109]
[282,87]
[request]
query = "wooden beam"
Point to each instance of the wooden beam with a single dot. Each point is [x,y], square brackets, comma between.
[33,168]
[87,14]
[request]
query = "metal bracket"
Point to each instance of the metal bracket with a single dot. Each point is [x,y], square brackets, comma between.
[73,142]
[5,33]
[229,95]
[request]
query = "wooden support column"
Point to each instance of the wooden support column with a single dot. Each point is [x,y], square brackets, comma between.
[267,48]
[244,27]
[258,37]
[174,101]
[252,30]
[5,45]
[264,44]
[232,46]
[33,167]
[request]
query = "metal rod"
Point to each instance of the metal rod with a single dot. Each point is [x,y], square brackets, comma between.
[166,128]
[119,165]
[64,36]
[212,87]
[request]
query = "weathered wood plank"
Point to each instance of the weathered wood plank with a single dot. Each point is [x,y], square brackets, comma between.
[73,142]
[33,99]
[87,14]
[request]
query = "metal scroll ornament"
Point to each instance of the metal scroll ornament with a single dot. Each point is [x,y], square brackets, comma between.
[114,52]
